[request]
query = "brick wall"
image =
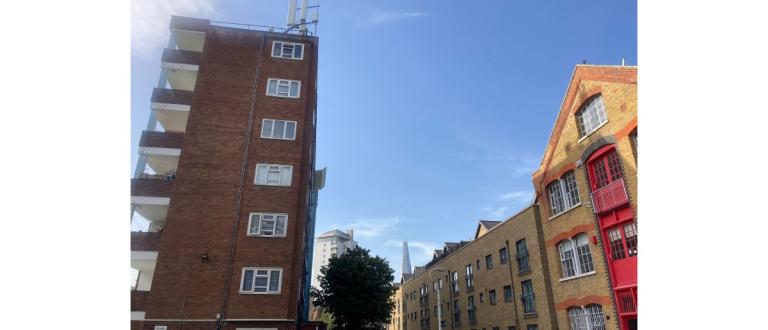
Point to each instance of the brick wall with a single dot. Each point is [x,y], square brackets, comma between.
[161,139]
[145,241]
[150,187]
[204,208]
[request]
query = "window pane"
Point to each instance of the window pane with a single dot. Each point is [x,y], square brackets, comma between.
[294,88]
[601,175]
[261,174]
[273,177]
[267,227]
[280,225]
[580,124]
[555,198]
[566,258]
[247,280]
[630,234]
[585,256]
[571,190]
[276,48]
[297,51]
[617,248]
[286,175]
[254,224]
[596,318]
[290,130]
[266,128]
[287,51]
[279,129]
[577,318]
[613,166]
[274,281]
[272,90]
[282,88]
[260,282]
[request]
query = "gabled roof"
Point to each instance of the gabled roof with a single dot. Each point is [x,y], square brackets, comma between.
[606,73]
[484,226]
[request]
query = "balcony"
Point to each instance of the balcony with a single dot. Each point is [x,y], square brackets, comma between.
[139,300]
[150,198]
[189,33]
[609,197]
[162,150]
[171,108]
[144,241]
[181,68]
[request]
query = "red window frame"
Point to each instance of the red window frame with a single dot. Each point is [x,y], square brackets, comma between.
[603,167]
[627,244]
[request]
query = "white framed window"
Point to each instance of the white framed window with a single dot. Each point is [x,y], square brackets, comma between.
[591,117]
[278,129]
[267,224]
[575,256]
[283,88]
[563,193]
[289,50]
[586,318]
[261,280]
[273,174]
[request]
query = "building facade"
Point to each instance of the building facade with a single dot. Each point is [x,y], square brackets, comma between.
[578,240]
[499,280]
[587,186]
[226,178]
[330,244]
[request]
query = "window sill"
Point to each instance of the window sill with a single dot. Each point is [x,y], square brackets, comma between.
[278,139]
[285,97]
[530,315]
[249,292]
[267,236]
[577,276]
[525,272]
[593,131]
[565,211]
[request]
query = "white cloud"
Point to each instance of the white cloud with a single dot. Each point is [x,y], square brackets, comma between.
[371,227]
[495,213]
[521,196]
[378,17]
[150,19]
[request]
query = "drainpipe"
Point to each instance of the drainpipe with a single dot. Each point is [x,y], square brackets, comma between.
[512,286]
[243,170]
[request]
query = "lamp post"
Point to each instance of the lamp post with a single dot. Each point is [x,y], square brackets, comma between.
[439,302]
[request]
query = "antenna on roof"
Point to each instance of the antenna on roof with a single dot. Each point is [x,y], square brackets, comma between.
[584,61]
[301,23]
[622,61]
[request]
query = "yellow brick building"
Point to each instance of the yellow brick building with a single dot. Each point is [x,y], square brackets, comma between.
[569,260]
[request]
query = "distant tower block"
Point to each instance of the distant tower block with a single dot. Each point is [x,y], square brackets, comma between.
[406,267]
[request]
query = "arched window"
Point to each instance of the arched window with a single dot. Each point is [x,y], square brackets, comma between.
[586,318]
[563,193]
[575,256]
[591,116]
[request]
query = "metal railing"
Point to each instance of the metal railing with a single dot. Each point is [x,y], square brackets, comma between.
[610,196]
[257,27]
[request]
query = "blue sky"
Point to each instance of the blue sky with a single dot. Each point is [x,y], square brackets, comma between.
[431,114]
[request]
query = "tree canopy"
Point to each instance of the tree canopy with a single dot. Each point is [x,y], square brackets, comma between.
[356,289]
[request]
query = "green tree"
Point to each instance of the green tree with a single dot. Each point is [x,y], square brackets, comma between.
[357,290]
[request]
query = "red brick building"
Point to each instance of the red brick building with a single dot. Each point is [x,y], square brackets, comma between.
[228,184]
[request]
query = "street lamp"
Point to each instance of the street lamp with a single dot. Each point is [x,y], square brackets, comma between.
[439,302]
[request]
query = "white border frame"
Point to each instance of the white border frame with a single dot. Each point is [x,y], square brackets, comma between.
[278,80]
[303,48]
[250,217]
[269,270]
[295,129]
[256,175]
